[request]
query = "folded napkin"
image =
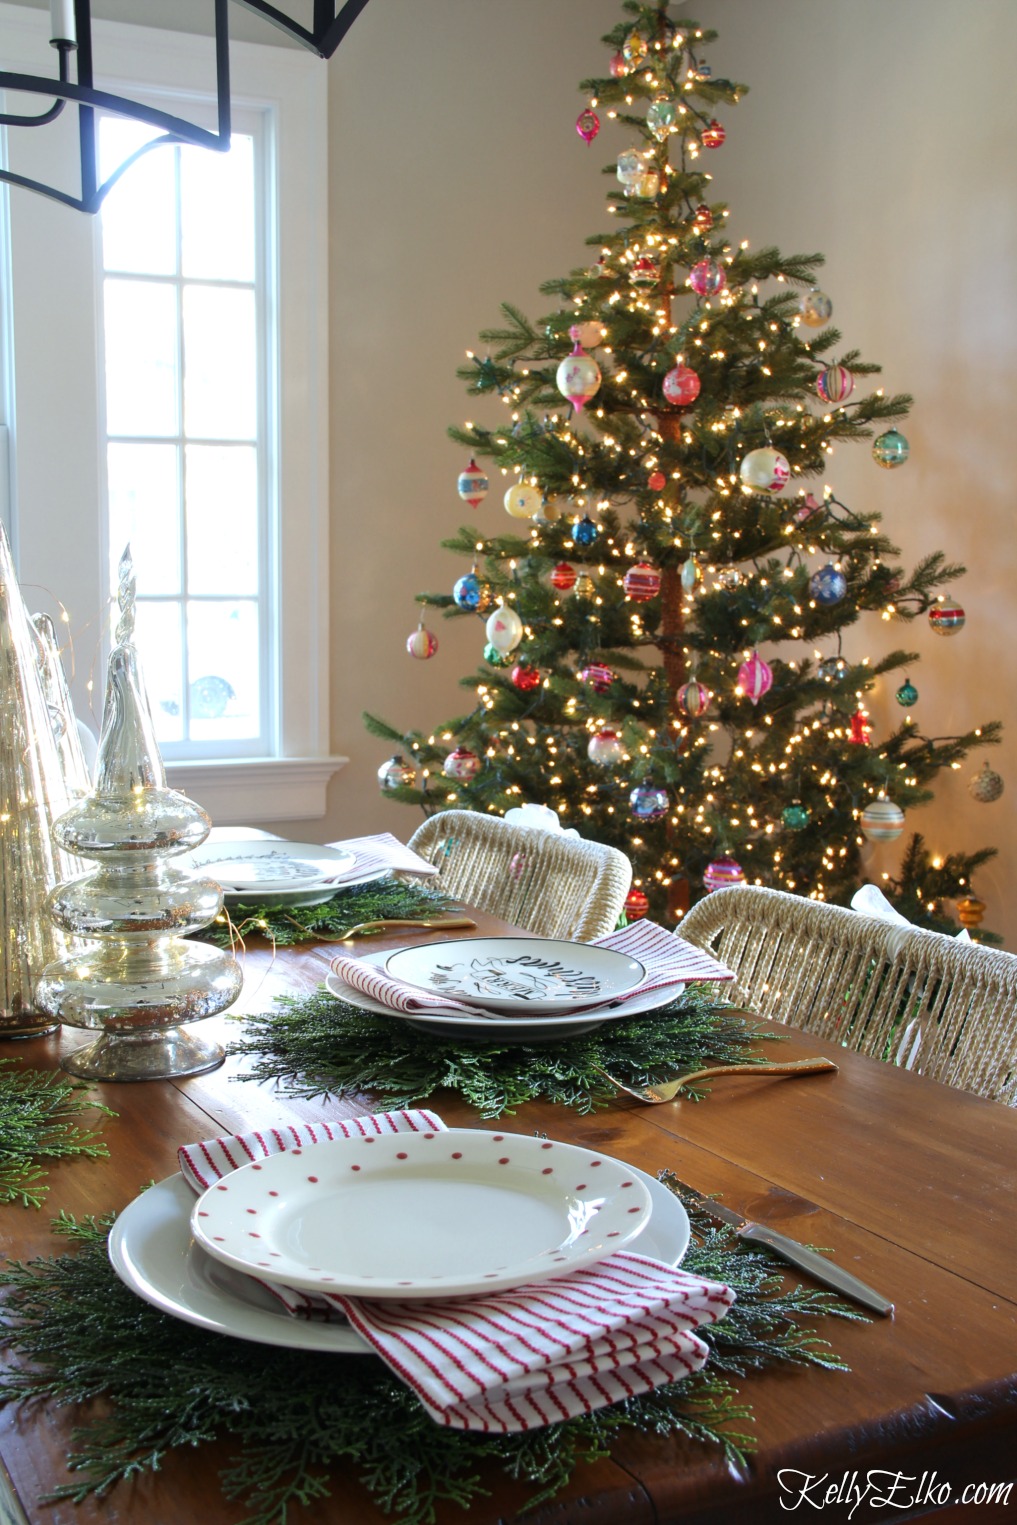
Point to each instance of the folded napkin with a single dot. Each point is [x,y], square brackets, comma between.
[667,959]
[383,852]
[521,1358]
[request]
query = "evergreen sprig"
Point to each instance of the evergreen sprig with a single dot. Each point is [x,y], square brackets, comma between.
[286,925]
[38,1121]
[150,1384]
[318,1046]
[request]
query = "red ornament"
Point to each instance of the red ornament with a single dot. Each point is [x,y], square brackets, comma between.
[563,577]
[641,582]
[703,220]
[636,904]
[645,271]
[656,481]
[587,125]
[619,66]
[461,764]
[946,619]
[714,135]
[681,386]
[860,728]
[597,677]
[525,677]
[694,698]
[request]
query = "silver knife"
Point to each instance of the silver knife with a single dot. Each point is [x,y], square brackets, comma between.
[796,1254]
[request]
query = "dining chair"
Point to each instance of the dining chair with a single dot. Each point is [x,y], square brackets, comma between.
[546,883]
[943,1007]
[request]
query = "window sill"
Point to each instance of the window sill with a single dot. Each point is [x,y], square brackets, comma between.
[244,791]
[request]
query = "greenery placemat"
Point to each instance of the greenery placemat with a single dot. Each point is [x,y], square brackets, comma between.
[286,925]
[38,1121]
[161,1384]
[319,1046]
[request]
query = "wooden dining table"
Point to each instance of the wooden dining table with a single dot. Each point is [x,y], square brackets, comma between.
[910,1184]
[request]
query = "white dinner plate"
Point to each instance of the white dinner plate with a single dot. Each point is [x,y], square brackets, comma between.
[519,975]
[269,866]
[495,1026]
[153,1253]
[422,1214]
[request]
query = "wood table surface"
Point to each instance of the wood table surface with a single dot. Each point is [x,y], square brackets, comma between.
[909,1183]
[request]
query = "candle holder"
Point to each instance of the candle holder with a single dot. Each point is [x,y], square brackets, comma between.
[140,981]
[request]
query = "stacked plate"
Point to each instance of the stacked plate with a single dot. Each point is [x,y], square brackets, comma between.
[520,988]
[269,871]
[406,1215]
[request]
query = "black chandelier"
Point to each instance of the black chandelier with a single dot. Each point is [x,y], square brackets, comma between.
[71,34]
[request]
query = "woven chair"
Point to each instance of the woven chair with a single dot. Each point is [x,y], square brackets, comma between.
[551,885]
[945,1008]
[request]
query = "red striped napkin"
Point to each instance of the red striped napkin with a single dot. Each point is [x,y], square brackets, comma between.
[383,852]
[525,1357]
[667,959]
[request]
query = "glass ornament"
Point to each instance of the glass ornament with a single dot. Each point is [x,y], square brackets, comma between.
[587,125]
[585,532]
[755,678]
[605,748]
[835,384]
[597,677]
[473,484]
[690,574]
[661,115]
[495,658]
[563,577]
[833,669]
[526,677]
[578,377]
[947,619]
[641,582]
[461,764]
[421,644]
[815,308]
[861,726]
[707,278]
[645,271]
[694,698]
[397,773]
[890,449]
[907,694]
[681,386]
[656,481]
[702,221]
[703,71]
[722,873]
[807,508]
[971,911]
[619,66]
[882,821]
[585,586]
[713,135]
[764,470]
[629,166]
[466,593]
[828,585]
[646,185]
[523,501]
[648,803]
[634,49]
[636,904]
[729,578]
[589,333]
[985,785]
[504,628]
[796,816]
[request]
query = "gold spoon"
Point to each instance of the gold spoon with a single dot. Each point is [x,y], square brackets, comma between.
[669,1090]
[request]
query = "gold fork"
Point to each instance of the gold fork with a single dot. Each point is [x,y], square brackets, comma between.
[669,1090]
[425,923]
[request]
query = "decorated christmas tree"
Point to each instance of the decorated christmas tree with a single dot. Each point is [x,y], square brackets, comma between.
[673,636]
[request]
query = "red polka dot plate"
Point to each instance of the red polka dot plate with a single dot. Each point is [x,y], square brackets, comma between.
[446,1214]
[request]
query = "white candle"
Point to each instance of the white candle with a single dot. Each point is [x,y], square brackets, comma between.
[61,15]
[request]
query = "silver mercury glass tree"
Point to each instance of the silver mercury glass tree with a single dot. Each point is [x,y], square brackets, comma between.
[143,979]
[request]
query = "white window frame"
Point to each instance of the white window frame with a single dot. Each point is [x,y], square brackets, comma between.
[56,466]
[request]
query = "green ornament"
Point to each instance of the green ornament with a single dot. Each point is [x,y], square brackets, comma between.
[661,115]
[906,694]
[796,816]
[891,449]
[495,657]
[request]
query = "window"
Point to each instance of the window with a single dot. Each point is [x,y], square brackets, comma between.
[198,473]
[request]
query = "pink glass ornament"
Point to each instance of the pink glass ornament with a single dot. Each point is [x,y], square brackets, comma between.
[755,678]
[587,125]
[578,377]
[835,384]
[707,278]
[641,582]
[421,644]
[722,873]
[694,698]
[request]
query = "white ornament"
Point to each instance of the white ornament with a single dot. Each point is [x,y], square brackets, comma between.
[523,501]
[765,470]
[578,377]
[504,629]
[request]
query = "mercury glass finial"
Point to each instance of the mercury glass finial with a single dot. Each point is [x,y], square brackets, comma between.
[126,589]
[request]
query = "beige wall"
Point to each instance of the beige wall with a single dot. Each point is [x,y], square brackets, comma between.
[880,133]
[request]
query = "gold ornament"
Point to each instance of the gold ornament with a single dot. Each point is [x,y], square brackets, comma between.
[33,792]
[971,911]
[143,979]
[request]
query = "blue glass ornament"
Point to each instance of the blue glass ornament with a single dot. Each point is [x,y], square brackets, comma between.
[796,816]
[585,532]
[647,803]
[906,694]
[467,591]
[891,449]
[828,585]
[832,669]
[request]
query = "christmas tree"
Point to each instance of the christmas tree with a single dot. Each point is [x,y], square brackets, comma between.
[664,658]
